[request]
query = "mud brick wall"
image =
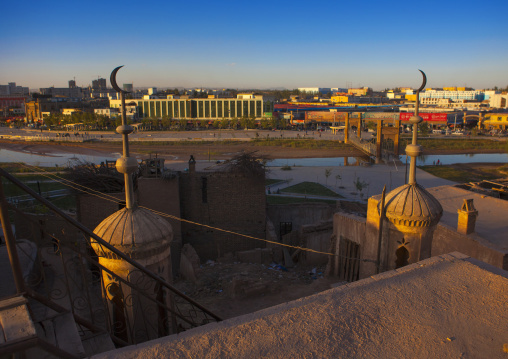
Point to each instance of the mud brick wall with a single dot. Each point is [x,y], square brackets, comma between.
[40,227]
[162,195]
[233,202]
[93,210]
[299,214]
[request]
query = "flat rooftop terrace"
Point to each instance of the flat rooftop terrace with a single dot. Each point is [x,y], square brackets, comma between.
[492,220]
[448,306]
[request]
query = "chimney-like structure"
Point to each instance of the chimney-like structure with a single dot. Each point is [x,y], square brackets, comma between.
[467,217]
[192,164]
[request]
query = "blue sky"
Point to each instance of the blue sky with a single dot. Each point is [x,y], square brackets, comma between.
[256,44]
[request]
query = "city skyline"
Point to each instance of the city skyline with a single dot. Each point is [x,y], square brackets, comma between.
[255,45]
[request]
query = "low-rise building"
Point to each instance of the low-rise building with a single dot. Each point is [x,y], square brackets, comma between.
[108,112]
[12,104]
[499,100]
[454,95]
[315,90]
[36,108]
[363,91]
[70,111]
[497,121]
[180,107]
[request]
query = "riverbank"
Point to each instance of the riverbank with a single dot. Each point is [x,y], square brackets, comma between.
[218,150]
[201,150]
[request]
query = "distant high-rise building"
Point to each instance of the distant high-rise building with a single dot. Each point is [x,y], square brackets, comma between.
[12,89]
[99,84]
[152,90]
[128,87]
[72,84]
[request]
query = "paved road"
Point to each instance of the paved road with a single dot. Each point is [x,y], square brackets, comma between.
[211,135]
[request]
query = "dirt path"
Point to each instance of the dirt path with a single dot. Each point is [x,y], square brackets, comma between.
[233,289]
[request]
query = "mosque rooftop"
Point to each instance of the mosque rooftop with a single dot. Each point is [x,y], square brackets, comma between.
[443,307]
[491,223]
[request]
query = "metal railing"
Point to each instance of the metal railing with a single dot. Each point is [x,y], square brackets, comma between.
[364,146]
[49,138]
[67,274]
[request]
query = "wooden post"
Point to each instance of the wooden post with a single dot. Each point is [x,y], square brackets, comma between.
[346,129]
[379,139]
[396,139]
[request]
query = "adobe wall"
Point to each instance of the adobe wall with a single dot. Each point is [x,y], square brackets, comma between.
[316,237]
[229,201]
[92,210]
[351,227]
[447,239]
[28,226]
[299,214]
[162,195]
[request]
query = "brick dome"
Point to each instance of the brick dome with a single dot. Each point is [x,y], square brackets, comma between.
[138,232]
[410,207]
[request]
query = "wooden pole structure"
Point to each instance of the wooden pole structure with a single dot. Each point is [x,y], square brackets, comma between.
[11,243]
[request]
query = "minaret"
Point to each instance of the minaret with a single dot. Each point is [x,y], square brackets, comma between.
[412,212]
[143,236]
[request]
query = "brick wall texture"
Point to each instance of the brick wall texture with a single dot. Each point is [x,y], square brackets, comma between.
[233,202]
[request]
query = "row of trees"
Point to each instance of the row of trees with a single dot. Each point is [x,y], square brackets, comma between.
[234,123]
[101,122]
[92,120]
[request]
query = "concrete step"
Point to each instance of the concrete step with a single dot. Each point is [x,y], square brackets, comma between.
[61,332]
[97,343]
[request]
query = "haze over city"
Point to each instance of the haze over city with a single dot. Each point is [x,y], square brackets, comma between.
[255,44]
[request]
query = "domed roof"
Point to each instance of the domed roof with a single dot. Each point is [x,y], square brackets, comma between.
[137,232]
[410,207]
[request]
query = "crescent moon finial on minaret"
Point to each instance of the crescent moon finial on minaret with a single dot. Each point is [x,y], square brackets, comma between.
[112,79]
[424,81]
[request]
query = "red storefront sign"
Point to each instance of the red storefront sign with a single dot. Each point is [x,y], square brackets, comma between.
[431,117]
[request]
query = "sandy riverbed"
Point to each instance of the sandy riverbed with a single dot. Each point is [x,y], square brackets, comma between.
[200,152]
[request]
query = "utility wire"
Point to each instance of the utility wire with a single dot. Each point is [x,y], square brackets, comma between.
[110,198]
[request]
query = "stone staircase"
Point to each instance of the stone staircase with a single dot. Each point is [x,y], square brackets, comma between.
[52,335]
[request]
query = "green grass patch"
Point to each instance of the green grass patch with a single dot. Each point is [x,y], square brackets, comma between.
[293,200]
[458,175]
[311,189]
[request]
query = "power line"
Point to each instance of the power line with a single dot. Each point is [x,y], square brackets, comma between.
[110,198]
